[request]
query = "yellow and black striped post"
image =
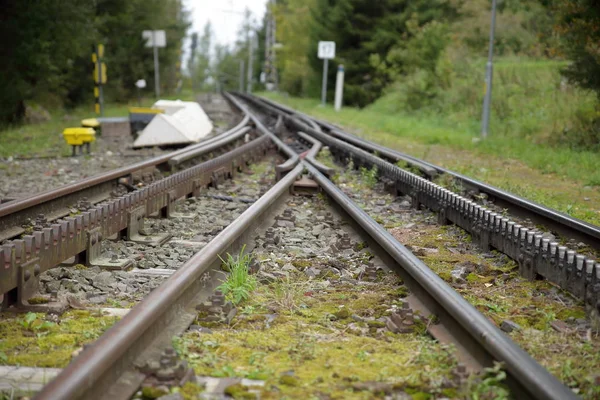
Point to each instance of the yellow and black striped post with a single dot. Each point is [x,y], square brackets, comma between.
[99,76]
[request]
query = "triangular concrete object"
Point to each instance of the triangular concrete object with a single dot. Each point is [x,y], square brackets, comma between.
[164,130]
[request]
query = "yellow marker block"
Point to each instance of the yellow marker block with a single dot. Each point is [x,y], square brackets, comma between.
[90,123]
[97,108]
[79,136]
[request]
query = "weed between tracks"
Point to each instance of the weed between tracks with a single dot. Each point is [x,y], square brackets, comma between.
[552,326]
[239,283]
[303,341]
[322,336]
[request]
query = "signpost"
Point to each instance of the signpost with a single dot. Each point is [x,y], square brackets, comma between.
[326,52]
[155,39]
[99,77]
[339,88]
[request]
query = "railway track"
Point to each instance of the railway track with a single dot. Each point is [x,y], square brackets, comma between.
[538,253]
[125,357]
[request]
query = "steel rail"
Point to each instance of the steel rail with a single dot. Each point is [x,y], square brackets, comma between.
[23,260]
[277,108]
[312,153]
[96,188]
[179,159]
[534,252]
[561,223]
[92,374]
[473,330]
[293,158]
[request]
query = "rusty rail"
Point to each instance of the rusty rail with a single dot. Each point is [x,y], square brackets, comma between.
[535,254]
[106,369]
[23,260]
[55,203]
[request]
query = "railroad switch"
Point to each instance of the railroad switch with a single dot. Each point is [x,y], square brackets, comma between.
[78,137]
[305,187]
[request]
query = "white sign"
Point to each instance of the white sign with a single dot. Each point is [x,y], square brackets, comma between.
[326,50]
[155,38]
[140,83]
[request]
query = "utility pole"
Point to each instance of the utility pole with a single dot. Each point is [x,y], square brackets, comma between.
[193,46]
[270,68]
[489,72]
[241,79]
[156,70]
[251,46]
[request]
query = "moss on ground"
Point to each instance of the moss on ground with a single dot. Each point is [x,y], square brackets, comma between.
[495,288]
[29,340]
[318,343]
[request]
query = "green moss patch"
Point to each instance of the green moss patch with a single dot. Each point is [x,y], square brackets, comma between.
[29,340]
[320,342]
[495,288]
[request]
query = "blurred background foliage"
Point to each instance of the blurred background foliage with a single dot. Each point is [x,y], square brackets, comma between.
[47,47]
[418,57]
[427,57]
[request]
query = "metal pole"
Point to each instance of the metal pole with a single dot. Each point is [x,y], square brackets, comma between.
[489,72]
[250,77]
[100,89]
[324,88]
[241,75]
[156,71]
[339,88]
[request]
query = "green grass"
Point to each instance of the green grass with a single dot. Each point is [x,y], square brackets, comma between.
[239,283]
[519,155]
[42,139]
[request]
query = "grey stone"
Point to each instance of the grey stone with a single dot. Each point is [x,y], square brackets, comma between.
[317,229]
[103,279]
[509,326]
[289,268]
[312,272]
[98,299]
[459,274]
[52,286]
[200,329]
[559,326]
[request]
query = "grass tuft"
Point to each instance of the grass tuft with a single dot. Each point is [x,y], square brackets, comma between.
[239,283]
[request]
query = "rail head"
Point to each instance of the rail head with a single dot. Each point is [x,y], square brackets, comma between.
[527,376]
[110,352]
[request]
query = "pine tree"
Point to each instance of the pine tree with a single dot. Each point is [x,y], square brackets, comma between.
[579,27]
